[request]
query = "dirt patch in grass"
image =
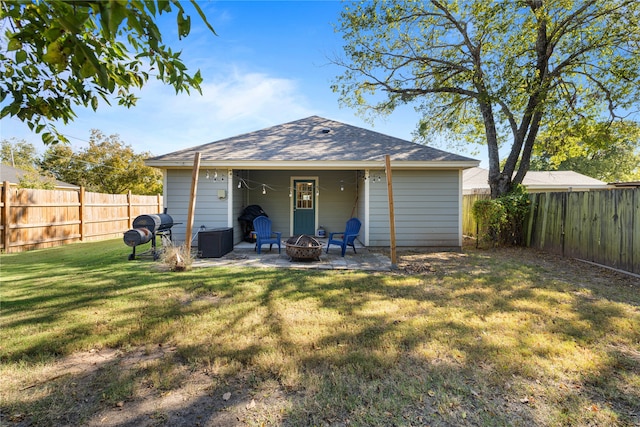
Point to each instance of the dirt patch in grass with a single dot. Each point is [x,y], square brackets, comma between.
[175,394]
[607,282]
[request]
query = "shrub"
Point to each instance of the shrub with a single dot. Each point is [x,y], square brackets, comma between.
[500,221]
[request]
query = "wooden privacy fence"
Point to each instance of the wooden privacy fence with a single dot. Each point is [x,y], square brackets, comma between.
[35,219]
[468,221]
[600,226]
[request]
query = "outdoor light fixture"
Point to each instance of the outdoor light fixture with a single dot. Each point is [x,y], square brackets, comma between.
[341,185]
[207,174]
[264,189]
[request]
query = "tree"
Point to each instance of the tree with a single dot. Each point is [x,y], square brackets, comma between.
[18,153]
[492,72]
[107,165]
[22,155]
[58,55]
[606,151]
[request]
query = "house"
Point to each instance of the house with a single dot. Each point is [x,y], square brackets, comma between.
[475,181]
[14,175]
[314,173]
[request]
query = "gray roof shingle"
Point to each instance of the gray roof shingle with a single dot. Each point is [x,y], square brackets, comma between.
[14,175]
[311,139]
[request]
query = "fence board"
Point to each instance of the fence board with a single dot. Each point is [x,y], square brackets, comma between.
[35,219]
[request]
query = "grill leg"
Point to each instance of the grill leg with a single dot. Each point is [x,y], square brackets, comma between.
[155,253]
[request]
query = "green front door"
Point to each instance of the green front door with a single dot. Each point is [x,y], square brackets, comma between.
[304,207]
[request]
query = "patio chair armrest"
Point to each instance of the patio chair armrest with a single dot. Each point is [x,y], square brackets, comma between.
[278,234]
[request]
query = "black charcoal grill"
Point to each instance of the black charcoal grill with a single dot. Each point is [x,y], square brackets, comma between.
[145,229]
[250,213]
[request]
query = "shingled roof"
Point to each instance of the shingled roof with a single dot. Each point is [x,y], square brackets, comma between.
[475,180]
[313,139]
[14,175]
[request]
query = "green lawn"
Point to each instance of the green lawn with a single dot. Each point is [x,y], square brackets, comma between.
[489,338]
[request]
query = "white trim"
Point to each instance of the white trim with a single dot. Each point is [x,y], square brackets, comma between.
[165,180]
[460,201]
[313,164]
[315,179]
[230,187]
[366,207]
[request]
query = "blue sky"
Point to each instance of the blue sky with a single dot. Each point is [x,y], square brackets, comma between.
[269,64]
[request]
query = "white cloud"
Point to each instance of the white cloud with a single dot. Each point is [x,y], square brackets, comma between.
[231,103]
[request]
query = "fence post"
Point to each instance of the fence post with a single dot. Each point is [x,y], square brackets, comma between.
[159,203]
[129,209]
[6,215]
[564,221]
[81,213]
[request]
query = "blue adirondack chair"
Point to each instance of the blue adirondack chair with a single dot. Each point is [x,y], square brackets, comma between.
[264,235]
[348,237]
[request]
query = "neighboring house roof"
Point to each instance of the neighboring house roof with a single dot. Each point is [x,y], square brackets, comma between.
[627,184]
[316,142]
[475,180]
[13,175]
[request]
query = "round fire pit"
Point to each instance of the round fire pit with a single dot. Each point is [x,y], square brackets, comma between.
[303,248]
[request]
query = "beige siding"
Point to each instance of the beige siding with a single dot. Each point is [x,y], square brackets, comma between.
[427,210]
[210,211]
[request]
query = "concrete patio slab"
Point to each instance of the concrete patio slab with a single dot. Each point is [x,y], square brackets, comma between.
[244,255]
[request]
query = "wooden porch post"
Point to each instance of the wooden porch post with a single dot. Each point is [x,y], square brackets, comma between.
[192,202]
[392,219]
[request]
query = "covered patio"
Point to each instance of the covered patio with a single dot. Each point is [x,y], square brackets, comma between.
[244,255]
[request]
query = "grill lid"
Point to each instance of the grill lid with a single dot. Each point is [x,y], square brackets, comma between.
[154,222]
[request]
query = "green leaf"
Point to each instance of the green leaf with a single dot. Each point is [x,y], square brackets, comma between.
[117,13]
[184,25]
[21,56]
[90,56]
[203,16]
[151,5]
[48,138]
[14,44]
[87,70]
[164,6]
